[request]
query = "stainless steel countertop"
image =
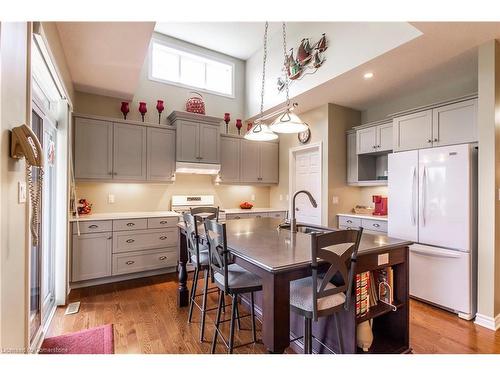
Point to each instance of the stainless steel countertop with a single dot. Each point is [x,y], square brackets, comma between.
[259,242]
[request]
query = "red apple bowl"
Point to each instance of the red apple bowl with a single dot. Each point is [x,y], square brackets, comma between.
[246,205]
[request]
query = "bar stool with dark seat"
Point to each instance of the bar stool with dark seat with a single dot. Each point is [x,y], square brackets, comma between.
[199,257]
[316,296]
[232,280]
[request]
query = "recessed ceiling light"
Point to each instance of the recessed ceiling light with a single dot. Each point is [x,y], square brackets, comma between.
[368,75]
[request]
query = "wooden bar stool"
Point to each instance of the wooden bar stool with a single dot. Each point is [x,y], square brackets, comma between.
[231,279]
[316,296]
[199,257]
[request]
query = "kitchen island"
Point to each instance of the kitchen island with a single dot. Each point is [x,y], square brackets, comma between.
[279,256]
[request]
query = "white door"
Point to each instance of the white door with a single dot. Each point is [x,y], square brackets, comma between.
[307,176]
[444,179]
[403,195]
[441,276]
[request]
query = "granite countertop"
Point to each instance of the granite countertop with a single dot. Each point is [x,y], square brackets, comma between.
[253,209]
[259,242]
[365,216]
[125,215]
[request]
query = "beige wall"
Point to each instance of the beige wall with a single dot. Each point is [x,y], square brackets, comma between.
[154,197]
[130,197]
[328,125]
[489,180]
[174,97]
[13,216]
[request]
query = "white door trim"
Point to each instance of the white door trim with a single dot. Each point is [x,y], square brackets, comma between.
[291,175]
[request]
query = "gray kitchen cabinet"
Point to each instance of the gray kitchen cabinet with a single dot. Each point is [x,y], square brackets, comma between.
[129,152]
[161,154]
[377,138]
[209,144]
[352,159]
[92,255]
[269,164]
[367,140]
[188,141]
[455,123]
[93,149]
[250,161]
[198,137]
[384,137]
[413,131]
[230,159]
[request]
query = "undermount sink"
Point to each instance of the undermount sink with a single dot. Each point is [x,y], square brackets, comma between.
[306,229]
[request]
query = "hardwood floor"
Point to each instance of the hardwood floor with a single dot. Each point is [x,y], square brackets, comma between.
[146,320]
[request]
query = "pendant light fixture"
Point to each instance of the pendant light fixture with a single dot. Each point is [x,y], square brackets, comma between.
[260,131]
[287,121]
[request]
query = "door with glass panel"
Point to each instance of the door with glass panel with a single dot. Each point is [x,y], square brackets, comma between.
[42,262]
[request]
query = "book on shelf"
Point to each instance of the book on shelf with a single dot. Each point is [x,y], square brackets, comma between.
[369,291]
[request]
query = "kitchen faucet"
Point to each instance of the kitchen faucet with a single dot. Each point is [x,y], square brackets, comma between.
[293,222]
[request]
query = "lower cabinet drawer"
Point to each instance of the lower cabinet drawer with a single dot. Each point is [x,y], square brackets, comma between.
[144,239]
[162,222]
[375,225]
[94,226]
[236,216]
[349,221]
[257,215]
[277,215]
[144,260]
[130,224]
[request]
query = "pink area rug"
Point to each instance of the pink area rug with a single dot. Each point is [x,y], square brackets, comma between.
[99,340]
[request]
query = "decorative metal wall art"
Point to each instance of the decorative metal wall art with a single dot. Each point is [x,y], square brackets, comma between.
[307,60]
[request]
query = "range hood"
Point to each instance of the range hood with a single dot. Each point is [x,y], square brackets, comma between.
[196,168]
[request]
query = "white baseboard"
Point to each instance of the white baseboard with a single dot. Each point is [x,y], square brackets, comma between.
[488,321]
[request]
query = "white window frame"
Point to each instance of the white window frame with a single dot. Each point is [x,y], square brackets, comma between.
[195,53]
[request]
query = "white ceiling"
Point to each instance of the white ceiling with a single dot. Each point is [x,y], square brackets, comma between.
[446,51]
[236,39]
[105,57]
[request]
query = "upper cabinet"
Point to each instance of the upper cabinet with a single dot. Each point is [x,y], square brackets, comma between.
[198,137]
[441,126]
[161,158]
[230,148]
[455,123]
[376,138]
[93,149]
[248,162]
[129,152]
[120,151]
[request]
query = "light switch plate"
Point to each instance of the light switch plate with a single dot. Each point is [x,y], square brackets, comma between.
[253,197]
[111,198]
[383,259]
[335,200]
[21,192]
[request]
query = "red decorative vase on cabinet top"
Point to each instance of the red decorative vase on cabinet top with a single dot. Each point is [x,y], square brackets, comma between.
[142,109]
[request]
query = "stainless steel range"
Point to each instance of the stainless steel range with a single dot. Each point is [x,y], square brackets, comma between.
[184,203]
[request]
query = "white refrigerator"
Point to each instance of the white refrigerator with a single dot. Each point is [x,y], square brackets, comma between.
[432,202]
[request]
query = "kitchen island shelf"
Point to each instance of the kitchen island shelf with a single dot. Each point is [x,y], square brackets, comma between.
[378,310]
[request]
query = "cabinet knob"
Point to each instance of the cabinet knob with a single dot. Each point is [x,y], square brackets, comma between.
[93,226]
[429,141]
[162,258]
[258,217]
[164,222]
[237,217]
[436,140]
[349,221]
[110,238]
[376,225]
[163,238]
[130,224]
[130,240]
[374,146]
[129,262]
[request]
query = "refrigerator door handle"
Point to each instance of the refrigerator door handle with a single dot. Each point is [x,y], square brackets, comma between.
[438,254]
[413,190]
[424,198]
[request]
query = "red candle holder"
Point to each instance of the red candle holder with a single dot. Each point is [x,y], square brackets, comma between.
[227,118]
[239,125]
[159,107]
[125,109]
[142,109]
